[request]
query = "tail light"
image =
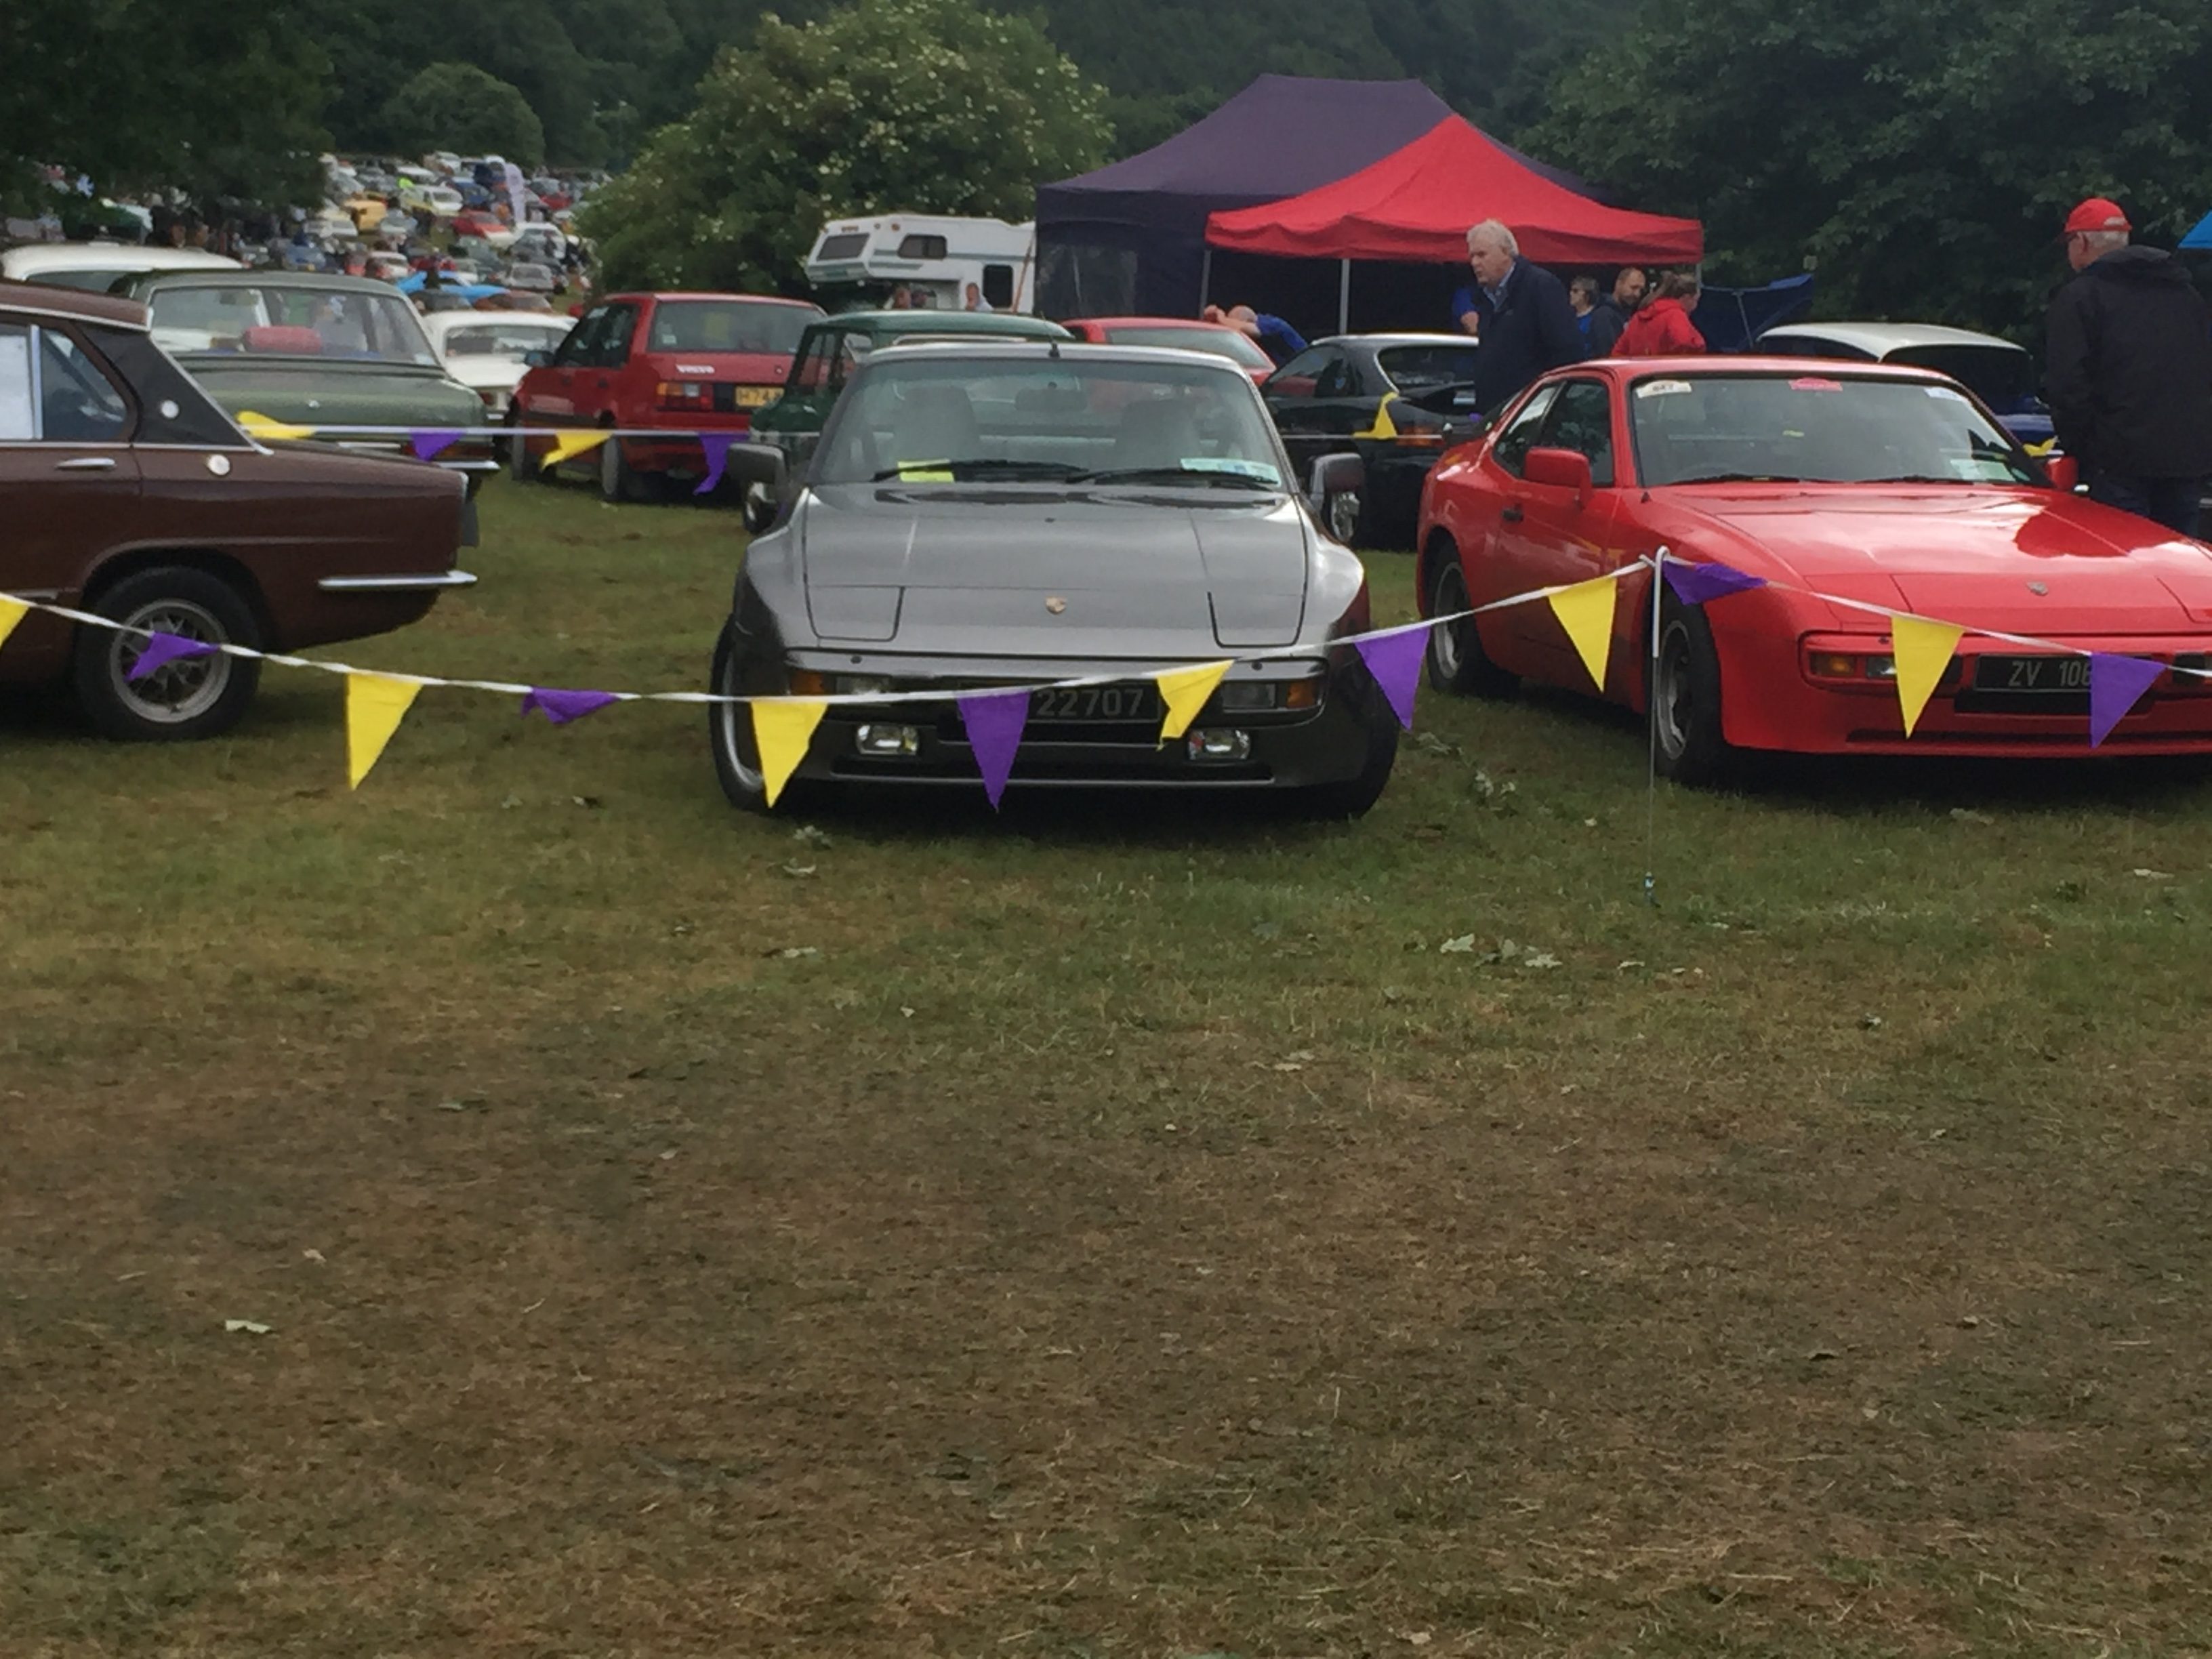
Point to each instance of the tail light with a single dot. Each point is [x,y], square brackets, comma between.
[682,396]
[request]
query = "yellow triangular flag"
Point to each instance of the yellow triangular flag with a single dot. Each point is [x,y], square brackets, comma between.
[11,612]
[374,707]
[260,426]
[573,443]
[782,728]
[1385,427]
[1922,651]
[1185,691]
[1585,611]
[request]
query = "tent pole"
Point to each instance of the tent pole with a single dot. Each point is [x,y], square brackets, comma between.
[1205,279]
[1344,297]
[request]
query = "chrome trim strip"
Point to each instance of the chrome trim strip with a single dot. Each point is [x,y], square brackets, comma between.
[431,581]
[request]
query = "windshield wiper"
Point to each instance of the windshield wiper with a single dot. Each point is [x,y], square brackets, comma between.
[1743,477]
[1178,475]
[975,467]
[1924,477]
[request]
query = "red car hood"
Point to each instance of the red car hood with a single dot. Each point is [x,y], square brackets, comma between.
[1964,555]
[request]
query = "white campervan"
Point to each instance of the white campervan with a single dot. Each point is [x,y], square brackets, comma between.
[934,259]
[97,266]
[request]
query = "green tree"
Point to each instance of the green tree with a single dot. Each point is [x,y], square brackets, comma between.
[1923,152]
[459,106]
[932,105]
[206,96]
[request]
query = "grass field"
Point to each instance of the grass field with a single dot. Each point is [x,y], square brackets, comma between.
[1100,1229]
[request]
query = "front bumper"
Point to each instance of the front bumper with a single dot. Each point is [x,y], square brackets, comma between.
[1288,749]
[1792,712]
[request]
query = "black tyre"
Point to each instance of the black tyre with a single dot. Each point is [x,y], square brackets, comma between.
[618,480]
[1457,662]
[192,697]
[1351,798]
[730,732]
[519,461]
[1686,699]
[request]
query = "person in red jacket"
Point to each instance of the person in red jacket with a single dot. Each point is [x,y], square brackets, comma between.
[1661,325]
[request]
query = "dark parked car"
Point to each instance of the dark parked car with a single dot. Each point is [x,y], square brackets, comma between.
[314,350]
[1002,511]
[126,492]
[1326,399]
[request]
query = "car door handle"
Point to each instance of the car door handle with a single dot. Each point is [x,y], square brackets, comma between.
[1512,513]
[86,464]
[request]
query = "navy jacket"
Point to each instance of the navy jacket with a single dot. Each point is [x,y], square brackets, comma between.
[1536,329]
[2130,379]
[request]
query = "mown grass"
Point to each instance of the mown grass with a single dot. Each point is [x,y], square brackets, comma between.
[1123,1230]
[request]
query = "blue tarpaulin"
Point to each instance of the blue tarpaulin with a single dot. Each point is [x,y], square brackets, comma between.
[1730,318]
[413,280]
[2201,237]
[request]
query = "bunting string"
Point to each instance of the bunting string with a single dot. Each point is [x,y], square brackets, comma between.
[378,700]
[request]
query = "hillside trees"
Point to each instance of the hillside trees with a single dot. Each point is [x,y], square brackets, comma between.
[1923,152]
[459,106]
[931,106]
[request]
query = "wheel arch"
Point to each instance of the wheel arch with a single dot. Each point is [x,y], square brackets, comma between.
[224,566]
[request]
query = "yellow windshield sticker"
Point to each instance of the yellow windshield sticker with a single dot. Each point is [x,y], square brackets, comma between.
[925,472]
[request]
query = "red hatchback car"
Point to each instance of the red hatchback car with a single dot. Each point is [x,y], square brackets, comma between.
[689,362]
[1185,333]
[1850,491]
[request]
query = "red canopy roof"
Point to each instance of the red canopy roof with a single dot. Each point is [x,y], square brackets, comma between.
[1417,202]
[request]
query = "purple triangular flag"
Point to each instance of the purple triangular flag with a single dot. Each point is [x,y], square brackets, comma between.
[162,649]
[994,720]
[715,447]
[2115,685]
[560,707]
[428,445]
[1694,584]
[1394,659]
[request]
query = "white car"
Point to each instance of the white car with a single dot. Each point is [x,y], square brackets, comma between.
[486,351]
[441,201]
[541,242]
[533,278]
[2005,376]
[96,265]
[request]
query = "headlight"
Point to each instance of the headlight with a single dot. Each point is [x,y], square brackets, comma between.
[1242,697]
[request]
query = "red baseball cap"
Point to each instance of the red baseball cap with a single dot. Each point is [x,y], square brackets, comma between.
[2097,214]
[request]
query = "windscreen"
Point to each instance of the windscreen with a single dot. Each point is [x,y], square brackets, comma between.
[1709,428]
[1221,342]
[91,282]
[501,340]
[1420,367]
[727,326]
[1051,420]
[270,320]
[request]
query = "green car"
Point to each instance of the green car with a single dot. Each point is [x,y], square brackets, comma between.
[826,355]
[311,350]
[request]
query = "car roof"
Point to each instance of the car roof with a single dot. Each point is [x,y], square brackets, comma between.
[1882,339]
[704,294]
[1047,350]
[445,322]
[306,279]
[1153,322]
[1728,364]
[121,258]
[1385,340]
[1017,323]
[73,302]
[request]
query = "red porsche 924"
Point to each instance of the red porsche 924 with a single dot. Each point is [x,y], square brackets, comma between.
[1886,486]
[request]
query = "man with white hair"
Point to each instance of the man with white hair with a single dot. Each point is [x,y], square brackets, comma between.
[1519,312]
[2130,378]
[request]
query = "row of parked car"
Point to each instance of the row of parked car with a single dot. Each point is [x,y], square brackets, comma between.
[150,506]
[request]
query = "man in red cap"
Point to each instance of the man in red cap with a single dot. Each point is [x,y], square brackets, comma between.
[2130,378]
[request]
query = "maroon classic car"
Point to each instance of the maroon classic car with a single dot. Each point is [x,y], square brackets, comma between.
[124,490]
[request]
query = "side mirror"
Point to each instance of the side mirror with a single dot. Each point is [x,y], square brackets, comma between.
[1344,474]
[2064,473]
[757,463]
[1561,469]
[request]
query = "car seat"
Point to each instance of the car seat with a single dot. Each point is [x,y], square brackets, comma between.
[934,423]
[1160,432]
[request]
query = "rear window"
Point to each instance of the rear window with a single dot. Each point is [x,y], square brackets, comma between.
[1221,342]
[727,326]
[2001,376]
[1415,367]
[846,245]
